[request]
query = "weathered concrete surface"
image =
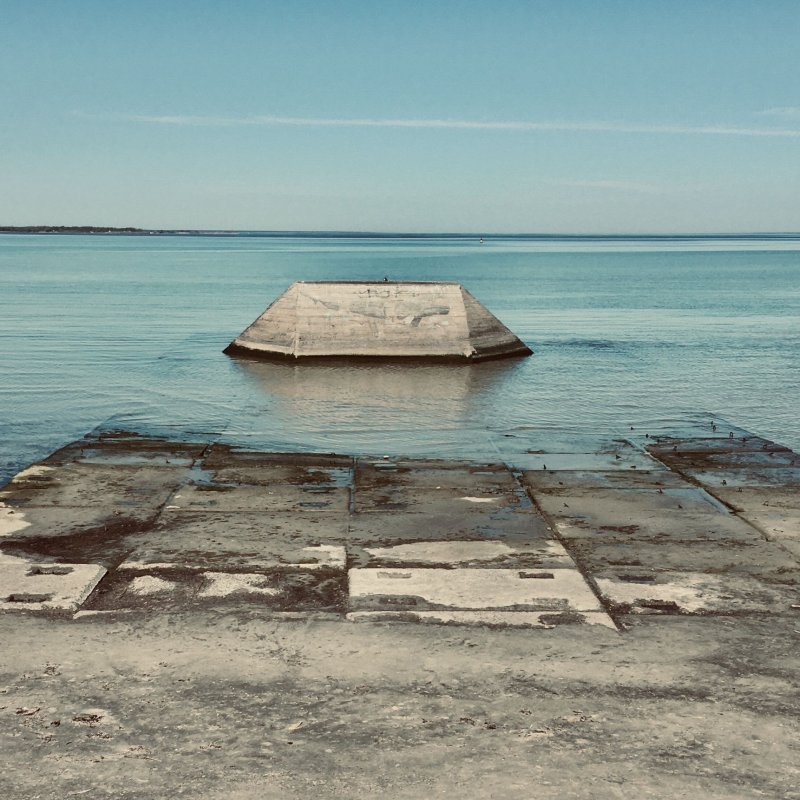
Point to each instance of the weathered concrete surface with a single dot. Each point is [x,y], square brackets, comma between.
[470,589]
[37,587]
[230,704]
[651,533]
[756,478]
[243,651]
[377,320]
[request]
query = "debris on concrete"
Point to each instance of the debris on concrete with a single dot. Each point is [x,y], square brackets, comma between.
[627,525]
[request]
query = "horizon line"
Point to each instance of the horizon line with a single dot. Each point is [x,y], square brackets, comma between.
[135,230]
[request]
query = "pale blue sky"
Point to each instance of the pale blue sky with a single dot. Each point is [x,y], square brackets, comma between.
[554,116]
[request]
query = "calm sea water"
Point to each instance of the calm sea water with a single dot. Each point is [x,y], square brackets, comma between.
[626,332]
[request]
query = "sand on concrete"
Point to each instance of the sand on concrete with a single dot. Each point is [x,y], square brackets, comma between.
[230,704]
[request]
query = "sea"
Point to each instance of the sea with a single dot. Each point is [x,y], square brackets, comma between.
[127,331]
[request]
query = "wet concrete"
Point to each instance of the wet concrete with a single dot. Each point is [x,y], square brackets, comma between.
[618,618]
[638,524]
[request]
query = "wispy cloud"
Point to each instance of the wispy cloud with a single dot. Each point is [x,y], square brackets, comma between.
[619,186]
[453,124]
[782,111]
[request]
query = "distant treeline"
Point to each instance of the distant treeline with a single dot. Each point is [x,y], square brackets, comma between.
[542,237]
[66,229]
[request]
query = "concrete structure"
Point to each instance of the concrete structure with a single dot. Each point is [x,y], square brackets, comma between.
[377,320]
[619,624]
[566,529]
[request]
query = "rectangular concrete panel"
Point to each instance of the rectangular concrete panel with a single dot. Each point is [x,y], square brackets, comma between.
[425,475]
[554,462]
[46,587]
[617,515]
[465,521]
[470,589]
[252,541]
[693,593]
[563,481]
[476,554]
[433,499]
[89,485]
[227,498]
[759,558]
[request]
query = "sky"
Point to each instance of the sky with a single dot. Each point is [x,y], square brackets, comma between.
[556,116]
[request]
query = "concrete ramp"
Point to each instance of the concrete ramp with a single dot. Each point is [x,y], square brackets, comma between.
[377,320]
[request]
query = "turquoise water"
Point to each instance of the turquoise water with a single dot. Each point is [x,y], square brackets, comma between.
[625,331]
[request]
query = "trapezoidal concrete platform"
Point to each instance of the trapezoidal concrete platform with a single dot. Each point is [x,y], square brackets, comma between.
[377,320]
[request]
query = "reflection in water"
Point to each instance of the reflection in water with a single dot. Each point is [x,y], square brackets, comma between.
[621,339]
[370,395]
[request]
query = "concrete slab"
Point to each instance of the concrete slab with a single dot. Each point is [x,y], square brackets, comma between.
[765,560]
[271,499]
[713,444]
[274,532]
[92,485]
[76,534]
[222,456]
[45,587]
[426,475]
[310,477]
[653,515]
[483,554]
[693,593]
[758,500]
[779,524]
[239,541]
[740,459]
[602,462]
[436,500]
[11,520]
[470,589]
[465,522]
[667,530]
[778,477]
[543,620]
[649,501]
[545,480]
[790,543]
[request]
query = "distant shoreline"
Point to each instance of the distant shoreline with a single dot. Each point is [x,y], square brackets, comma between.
[131,231]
